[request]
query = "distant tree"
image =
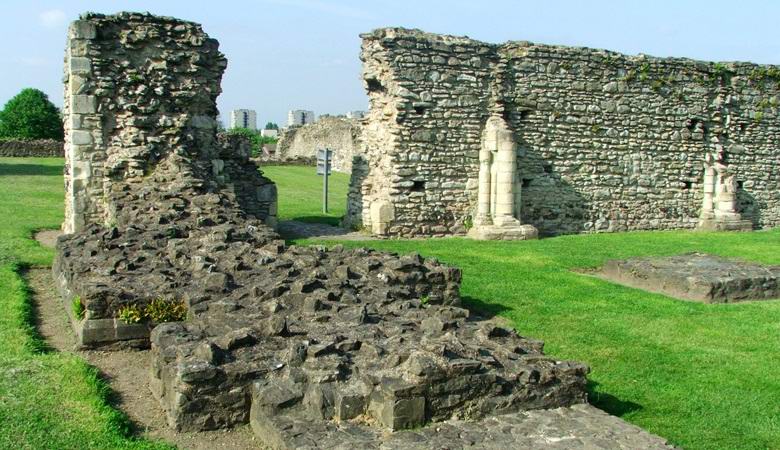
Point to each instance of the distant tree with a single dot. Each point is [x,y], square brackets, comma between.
[254,137]
[271,126]
[30,115]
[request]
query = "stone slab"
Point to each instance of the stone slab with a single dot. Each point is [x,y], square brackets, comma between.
[503,233]
[576,427]
[724,225]
[698,277]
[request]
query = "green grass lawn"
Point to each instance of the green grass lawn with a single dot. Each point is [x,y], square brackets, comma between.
[703,376]
[302,194]
[47,399]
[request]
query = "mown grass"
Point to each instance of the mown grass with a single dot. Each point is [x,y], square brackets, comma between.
[302,198]
[47,399]
[703,376]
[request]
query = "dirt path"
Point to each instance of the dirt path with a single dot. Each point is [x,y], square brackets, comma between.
[127,372]
[47,238]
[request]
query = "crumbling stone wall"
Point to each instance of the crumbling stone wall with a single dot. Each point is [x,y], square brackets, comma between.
[339,134]
[605,142]
[31,148]
[294,340]
[139,89]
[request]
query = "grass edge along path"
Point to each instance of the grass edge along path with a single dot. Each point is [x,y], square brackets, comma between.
[47,399]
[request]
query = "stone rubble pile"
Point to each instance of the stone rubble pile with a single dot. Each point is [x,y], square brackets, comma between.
[315,347]
[356,344]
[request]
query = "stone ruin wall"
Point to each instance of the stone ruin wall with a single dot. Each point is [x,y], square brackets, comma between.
[31,148]
[137,89]
[339,134]
[313,347]
[605,142]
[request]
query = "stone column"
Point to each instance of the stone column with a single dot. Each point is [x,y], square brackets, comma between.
[80,110]
[483,216]
[496,216]
[506,162]
[719,207]
[727,193]
[709,187]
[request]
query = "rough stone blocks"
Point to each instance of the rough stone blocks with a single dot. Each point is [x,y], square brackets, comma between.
[699,277]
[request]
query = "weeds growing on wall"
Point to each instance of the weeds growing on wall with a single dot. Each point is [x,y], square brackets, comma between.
[77,307]
[158,310]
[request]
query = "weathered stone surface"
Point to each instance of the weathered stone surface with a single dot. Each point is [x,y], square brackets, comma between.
[605,142]
[699,277]
[140,106]
[315,347]
[572,428]
[365,351]
[342,135]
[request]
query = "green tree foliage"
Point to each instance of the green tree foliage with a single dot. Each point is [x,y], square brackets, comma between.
[30,115]
[271,126]
[254,136]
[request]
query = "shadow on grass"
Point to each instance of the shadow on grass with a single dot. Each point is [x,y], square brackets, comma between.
[328,220]
[482,308]
[99,381]
[31,315]
[30,169]
[609,403]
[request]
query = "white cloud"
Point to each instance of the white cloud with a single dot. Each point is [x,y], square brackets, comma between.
[52,18]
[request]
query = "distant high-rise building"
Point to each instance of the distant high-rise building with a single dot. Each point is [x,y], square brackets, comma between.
[357,114]
[300,117]
[243,118]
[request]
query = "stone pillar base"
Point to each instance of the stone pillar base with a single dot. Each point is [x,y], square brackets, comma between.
[503,232]
[724,224]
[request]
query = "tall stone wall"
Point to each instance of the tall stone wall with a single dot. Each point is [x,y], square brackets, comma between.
[605,142]
[140,98]
[339,134]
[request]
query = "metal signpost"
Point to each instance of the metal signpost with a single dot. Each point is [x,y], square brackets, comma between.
[324,156]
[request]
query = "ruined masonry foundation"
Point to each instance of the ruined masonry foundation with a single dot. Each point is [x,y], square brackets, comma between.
[314,347]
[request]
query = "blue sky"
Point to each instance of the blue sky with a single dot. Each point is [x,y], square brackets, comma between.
[291,54]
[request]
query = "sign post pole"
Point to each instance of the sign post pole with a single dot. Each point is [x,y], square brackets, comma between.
[323,168]
[325,182]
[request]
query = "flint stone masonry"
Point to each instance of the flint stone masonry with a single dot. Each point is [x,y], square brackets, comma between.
[31,148]
[574,428]
[605,142]
[350,346]
[312,346]
[139,89]
[339,134]
[699,277]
